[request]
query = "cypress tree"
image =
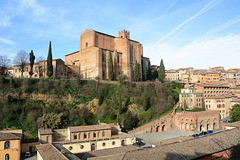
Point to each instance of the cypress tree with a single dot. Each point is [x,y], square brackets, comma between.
[149,71]
[49,62]
[110,68]
[203,104]
[31,59]
[161,72]
[136,72]
[145,73]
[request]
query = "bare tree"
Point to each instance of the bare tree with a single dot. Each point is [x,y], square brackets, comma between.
[21,60]
[40,58]
[4,61]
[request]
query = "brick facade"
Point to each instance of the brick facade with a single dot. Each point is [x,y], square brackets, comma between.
[95,48]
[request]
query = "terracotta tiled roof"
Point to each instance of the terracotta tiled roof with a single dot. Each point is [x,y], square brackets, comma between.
[89,128]
[45,131]
[49,152]
[8,136]
[107,153]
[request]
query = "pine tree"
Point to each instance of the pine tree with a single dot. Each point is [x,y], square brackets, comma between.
[185,105]
[203,104]
[149,71]
[145,74]
[31,58]
[136,72]
[49,62]
[110,68]
[161,72]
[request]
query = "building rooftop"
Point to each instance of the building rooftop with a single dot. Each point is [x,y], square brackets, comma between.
[108,152]
[45,131]
[189,149]
[8,136]
[49,152]
[89,128]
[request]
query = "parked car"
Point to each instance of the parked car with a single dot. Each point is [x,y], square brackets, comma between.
[202,133]
[209,132]
[194,135]
[27,154]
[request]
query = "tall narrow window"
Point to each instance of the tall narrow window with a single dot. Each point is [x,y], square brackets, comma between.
[7,145]
[7,157]
[86,44]
[103,134]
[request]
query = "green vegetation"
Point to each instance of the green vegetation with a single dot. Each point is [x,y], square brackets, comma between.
[32,58]
[203,104]
[49,62]
[161,72]
[136,72]
[110,67]
[235,113]
[144,71]
[131,104]
[149,74]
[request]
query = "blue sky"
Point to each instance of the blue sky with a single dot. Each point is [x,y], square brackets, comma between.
[184,33]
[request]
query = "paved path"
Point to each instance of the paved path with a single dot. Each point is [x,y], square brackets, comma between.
[154,137]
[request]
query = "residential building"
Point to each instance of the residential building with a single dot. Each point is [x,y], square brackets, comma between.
[10,146]
[191,97]
[216,103]
[216,69]
[171,75]
[81,139]
[40,70]
[95,49]
[213,77]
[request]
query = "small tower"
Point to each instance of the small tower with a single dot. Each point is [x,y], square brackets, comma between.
[124,34]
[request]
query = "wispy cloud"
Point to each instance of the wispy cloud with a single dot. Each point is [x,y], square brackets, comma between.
[4,20]
[6,41]
[208,51]
[36,8]
[206,8]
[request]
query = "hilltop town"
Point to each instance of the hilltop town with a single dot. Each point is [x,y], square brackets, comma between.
[106,101]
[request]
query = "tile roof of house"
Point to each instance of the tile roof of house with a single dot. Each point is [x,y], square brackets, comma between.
[189,149]
[8,136]
[108,153]
[45,131]
[89,128]
[49,152]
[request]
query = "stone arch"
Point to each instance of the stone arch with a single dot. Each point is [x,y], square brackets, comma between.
[208,125]
[182,126]
[163,128]
[201,127]
[157,129]
[214,124]
[93,147]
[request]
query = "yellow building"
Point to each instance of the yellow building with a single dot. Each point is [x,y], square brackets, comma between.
[10,146]
[213,77]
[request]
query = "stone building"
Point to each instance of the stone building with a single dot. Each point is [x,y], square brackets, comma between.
[10,146]
[81,139]
[216,103]
[187,121]
[92,59]
[40,70]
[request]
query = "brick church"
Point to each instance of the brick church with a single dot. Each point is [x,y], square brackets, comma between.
[92,60]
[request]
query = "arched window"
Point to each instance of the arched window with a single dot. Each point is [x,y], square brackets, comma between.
[7,157]
[7,145]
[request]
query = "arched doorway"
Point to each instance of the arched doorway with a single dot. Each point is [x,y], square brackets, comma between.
[207,127]
[201,127]
[93,147]
[163,127]
[122,143]
[214,125]
[182,125]
[7,157]
[157,129]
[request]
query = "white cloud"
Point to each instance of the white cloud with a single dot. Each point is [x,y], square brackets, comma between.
[37,9]
[222,51]
[206,8]
[4,20]
[6,41]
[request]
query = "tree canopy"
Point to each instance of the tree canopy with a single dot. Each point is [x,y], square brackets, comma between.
[136,72]
[21,59]
[235,113]
[4,61]
[110,67]
[32,58]
[161,72]
[49,62]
